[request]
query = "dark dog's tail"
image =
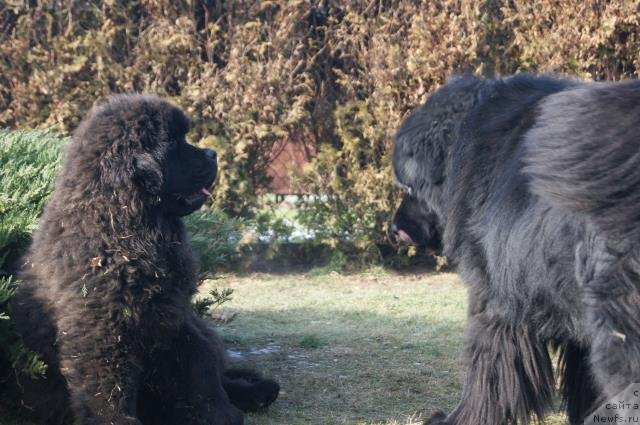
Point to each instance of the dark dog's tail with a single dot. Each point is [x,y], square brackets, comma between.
[583,154]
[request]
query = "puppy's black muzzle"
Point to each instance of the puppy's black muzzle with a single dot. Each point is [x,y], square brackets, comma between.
[212,166]
[211,155]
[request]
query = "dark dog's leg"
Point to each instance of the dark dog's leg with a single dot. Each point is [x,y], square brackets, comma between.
[186,387]
[578,389]
[101,377]
[248,390]
[509,375]
[611,283]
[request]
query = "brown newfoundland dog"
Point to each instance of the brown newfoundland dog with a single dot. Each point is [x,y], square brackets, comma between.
[108,280]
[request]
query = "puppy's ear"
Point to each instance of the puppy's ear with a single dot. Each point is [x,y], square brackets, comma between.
[147,173]
[178,124]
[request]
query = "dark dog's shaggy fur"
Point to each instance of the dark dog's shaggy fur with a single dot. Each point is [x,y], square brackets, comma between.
[533,184]
[108,280]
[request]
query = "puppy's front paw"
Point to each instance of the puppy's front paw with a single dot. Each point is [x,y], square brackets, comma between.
[248,390]
[268,391]
[438,418]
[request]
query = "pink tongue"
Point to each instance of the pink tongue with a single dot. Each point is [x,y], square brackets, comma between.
[205,192]
[405,237]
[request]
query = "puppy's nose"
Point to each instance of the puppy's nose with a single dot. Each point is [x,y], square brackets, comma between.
[394,228]
[211,154]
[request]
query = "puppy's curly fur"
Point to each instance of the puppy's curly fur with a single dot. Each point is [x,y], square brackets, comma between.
[109,276]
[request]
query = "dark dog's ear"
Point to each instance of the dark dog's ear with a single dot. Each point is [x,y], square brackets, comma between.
[147,173]
[419,149]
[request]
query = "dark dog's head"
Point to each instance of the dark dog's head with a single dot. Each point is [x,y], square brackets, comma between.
[421,150]
[133,149]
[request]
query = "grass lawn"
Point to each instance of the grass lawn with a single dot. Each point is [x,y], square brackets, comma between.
[372,348]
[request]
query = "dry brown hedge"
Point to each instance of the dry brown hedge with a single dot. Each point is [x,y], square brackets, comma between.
[251,73]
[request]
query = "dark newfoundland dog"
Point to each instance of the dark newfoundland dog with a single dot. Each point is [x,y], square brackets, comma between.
[108,280]
[532,186]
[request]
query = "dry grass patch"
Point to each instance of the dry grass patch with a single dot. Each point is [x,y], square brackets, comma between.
[368,349]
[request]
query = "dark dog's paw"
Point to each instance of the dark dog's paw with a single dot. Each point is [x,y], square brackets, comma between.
[438,418]
[248,390]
